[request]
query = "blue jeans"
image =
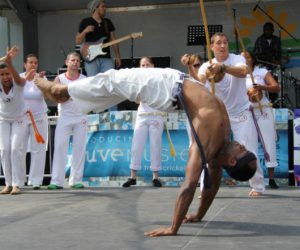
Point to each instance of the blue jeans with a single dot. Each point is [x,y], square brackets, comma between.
[99,65]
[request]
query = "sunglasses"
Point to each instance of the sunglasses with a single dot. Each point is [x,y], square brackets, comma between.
[197,65]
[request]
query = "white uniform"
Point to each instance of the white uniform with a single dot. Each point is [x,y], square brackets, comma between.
[153,86]
[35,102]
[12,135]
[232,91]
[70,122]
[150,122]
[265,119]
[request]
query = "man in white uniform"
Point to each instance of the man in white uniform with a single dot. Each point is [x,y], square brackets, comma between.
[35,102]
[70,122]
[12,125]
[231,89]
[159,88]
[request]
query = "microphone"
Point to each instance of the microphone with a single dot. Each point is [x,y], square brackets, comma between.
[256,6]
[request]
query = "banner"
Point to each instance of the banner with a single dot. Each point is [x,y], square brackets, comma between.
[108,151]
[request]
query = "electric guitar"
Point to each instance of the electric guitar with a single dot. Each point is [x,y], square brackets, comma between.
[89,51]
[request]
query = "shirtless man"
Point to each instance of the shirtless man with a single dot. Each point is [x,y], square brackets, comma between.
[156,87]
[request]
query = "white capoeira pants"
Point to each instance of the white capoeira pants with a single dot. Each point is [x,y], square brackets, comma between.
[37,150]
[67,126]
[266,124]
[152,86]
[12,151]
[245,133]
[144,126]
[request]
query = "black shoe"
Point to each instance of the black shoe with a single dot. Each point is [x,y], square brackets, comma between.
[272,184]
[129,182]
[156,183]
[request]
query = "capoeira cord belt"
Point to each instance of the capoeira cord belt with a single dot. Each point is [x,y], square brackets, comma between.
[177,93]
[266,154]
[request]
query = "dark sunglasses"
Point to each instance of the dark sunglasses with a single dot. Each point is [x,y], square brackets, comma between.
[197,65]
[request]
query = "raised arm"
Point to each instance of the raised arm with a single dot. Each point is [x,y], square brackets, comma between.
[10,54]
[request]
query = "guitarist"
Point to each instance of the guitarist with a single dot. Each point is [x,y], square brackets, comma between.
[93,28]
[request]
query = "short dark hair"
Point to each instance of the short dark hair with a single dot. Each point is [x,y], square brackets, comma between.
[3,65]
[30,55]
[242,170]
[213,37]
[149,59]
[269,25]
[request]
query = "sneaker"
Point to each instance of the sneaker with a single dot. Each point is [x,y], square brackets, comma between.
[156,183]
[77,186]
[36,187]
[129,182]
[273,184]
[6,190]
[54,187]
[15,190]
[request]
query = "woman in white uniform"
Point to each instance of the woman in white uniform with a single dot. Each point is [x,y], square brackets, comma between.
[70,122]
[35,102]
[264,82]
[12,125]
[150,122]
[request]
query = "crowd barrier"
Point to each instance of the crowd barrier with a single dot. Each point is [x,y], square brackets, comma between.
[110,135]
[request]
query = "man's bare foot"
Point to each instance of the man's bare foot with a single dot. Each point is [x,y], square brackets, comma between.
[255,193]
[162,231]
[190,218]
[51,90]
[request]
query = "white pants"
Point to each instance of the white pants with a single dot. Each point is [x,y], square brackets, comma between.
[152,86]
[144,126]
[266,124]
[67,126]
[37,150]
[12,151]
[245,133]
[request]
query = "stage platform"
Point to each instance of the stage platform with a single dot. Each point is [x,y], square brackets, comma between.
[116,218]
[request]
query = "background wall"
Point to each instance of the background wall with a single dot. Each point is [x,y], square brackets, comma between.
[164,29]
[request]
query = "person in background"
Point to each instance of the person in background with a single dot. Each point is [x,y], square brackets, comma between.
[268,52]
[70,122]
[12,125]
[35,102]
[264,83]
[267,47]
[148,122]
[92,29]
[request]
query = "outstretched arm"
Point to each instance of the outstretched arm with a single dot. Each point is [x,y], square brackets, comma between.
[10,54]
[185,195]
[207,195]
